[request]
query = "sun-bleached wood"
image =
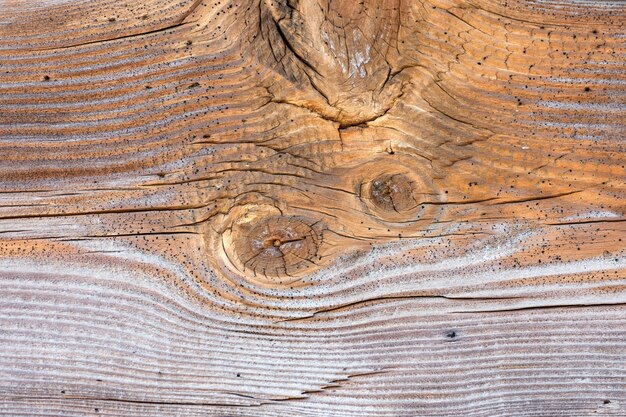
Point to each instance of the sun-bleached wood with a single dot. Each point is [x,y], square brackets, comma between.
[312,208]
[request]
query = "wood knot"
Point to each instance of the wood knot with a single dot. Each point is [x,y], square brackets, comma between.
[276,248]
[398,194]
[340,54]
[392,193]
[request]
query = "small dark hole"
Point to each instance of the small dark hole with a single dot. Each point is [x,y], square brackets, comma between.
[587,89]
[451,334]
[607,401]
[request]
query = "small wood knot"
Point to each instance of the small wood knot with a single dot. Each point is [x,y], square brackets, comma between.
[392,193]
[277,246]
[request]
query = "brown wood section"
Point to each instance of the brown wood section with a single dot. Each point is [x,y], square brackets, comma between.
[312,208]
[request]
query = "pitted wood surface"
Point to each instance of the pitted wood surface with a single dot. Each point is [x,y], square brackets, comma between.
[312,208]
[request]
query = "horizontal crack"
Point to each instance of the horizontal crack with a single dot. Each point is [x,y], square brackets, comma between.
[108,211]
[586,222]
[132,35]
[394,298]
[546,197]
[542,307]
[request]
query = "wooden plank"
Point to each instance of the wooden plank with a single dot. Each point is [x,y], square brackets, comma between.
[312,208]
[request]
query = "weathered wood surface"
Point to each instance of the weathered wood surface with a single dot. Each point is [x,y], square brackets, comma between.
[312,208]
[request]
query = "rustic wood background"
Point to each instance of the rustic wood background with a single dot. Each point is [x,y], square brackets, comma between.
[312,208]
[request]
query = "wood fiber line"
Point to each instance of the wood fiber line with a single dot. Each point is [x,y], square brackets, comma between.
[312,208]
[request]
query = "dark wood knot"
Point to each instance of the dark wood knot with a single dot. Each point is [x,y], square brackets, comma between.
[392,192]
[398,193]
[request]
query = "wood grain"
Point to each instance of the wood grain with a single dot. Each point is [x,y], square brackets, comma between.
[312,208]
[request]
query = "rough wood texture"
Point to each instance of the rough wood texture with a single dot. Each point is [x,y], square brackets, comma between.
[312,208]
